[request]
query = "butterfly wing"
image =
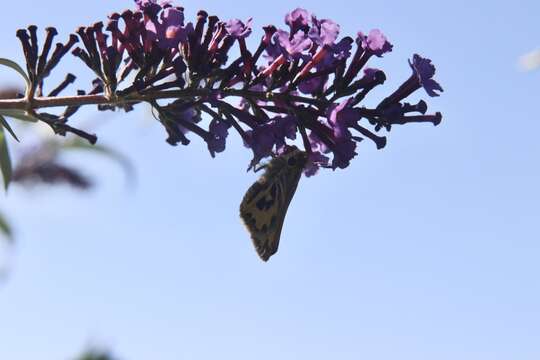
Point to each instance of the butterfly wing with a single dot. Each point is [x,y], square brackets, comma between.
[265,204]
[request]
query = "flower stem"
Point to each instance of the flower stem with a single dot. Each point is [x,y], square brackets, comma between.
[79,100]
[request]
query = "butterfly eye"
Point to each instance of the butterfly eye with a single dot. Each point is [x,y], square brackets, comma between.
[291,161]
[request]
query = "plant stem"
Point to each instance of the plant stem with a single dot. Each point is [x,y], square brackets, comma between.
[79,100]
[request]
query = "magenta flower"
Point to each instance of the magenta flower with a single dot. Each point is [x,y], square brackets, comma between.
[323,32]
[238,29]
[343,116]
[298,19]
[293,48]
[169,31]
[375,42]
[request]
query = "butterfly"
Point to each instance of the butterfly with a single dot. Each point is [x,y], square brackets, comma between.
[265,204]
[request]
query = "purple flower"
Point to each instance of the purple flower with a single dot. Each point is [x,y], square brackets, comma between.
[344,151]
[218,132]
[371,78]
[151,7]
[284,127]
[172,17]
[263,138]
[188,114]
[340,143]
[169,30]
[269,31]
[316,160]
[326,59]
[272,51]
[424,71]
[340,118]
[181,117]
[342,50]
[301,88]
[314,85]
[323,32]
[298,19]
[237,29]
[343,116]
[261,141]
[336,138]
[293,48]
[375,42]
[333,54]
[316,143]
[370,73]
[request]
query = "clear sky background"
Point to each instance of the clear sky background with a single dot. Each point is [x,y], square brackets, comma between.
[427,249]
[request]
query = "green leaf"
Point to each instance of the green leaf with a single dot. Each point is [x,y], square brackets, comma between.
[121,159]
[5,228]
[6,126]
[12,64]
[18,114]
[5,160]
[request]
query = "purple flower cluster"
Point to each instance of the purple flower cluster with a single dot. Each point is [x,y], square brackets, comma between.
[301,83]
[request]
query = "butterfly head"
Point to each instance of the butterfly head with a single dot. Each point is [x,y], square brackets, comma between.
[294,157]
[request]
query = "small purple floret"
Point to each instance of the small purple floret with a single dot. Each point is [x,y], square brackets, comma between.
[237,29]
[324,32]
[218,132]
[298,19]
[343,116]
[316,160]
[313,85]
[424,70]
[295,47]
[263,139]
[375,42]
[151,7]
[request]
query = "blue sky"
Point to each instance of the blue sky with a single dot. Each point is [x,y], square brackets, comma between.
[427,249]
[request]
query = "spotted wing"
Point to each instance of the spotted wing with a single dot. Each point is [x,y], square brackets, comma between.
[265,204]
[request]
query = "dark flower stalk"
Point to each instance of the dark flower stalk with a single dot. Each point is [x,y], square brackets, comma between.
[302,79]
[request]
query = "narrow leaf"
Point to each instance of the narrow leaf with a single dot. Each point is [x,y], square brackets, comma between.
[12,64]
[5,160]
[6,126]
[5,228]
[18,114]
